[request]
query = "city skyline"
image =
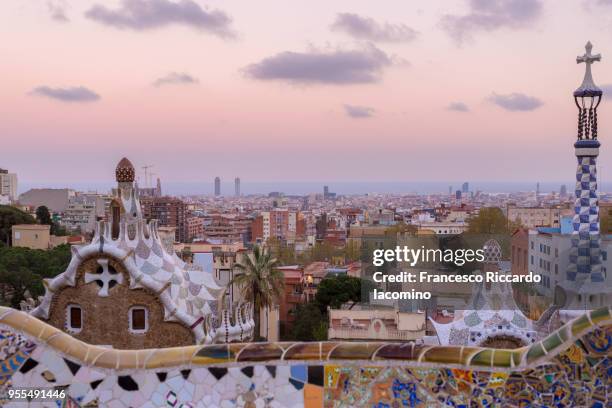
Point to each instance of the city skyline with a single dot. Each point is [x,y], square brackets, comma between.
[385,92]
[205,188]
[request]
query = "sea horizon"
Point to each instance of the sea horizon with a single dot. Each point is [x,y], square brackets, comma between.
[310,187]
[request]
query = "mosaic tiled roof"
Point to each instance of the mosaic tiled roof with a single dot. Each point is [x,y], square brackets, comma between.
[492,313]
[189,294]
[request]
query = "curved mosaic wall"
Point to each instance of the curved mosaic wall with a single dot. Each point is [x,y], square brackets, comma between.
[571,367]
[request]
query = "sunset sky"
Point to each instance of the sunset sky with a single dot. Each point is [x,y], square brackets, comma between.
[305,91]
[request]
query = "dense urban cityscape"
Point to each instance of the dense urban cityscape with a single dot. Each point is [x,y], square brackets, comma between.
[135,272]
[314,237]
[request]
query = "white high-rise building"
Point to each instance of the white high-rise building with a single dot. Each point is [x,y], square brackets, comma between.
[549,256]
[8,185]
[84,210]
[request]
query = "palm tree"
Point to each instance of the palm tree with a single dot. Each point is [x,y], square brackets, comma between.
[259,281]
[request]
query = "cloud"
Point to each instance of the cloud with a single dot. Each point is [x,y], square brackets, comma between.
[57,10]
[491,15]
[71,94]
[175,78]
[150,14]
[516,102]
[355,111]
[365,28]
[458,107]
[340,67]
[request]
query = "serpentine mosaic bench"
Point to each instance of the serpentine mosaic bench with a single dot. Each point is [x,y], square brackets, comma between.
[569,368]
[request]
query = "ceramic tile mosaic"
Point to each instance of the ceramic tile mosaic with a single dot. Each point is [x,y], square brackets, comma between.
[585,253]
[569,368]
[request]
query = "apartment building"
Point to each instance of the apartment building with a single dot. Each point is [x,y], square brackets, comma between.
[169,211]
[8,185]
[228,227]
[83,210]
[195,228]
[532,217]
[280,223]
[549,255]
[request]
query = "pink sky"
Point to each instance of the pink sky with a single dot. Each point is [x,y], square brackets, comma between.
[241,117]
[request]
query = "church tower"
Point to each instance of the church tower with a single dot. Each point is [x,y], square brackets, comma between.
[585,282]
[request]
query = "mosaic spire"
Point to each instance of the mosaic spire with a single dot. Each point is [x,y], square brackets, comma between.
[585,267]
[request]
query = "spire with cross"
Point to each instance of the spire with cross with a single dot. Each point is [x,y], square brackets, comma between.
[585,275]
[588,87]
[587,97]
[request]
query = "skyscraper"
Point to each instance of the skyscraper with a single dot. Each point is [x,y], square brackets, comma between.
[217,186]
[237,186]
[159,190]
[8,185]
[465,188]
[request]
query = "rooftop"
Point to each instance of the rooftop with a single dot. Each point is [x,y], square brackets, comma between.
[31,227]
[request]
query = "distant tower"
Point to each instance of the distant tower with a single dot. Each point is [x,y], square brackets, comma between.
[458,195]
[537,193]
[217,186]
[585,286]
[465,188]
[325,192]
[126,203]
[158,190]
[563,191]
[237,186]
[450,190]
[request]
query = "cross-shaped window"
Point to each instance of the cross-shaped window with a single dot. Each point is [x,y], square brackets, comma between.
[105,277]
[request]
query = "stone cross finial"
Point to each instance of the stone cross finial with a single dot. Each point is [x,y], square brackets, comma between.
[105,277]
[588,59]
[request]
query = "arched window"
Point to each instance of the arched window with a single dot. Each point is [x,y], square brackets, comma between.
[74,318]
[138,319]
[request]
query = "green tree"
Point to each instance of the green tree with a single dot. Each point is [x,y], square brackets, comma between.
[490,220]
[10,216]
[308,326]
[322,251]
[352,251]
[58,230]
[320,332]
[283,252]
[43,216]
[24,269]
[17,281]
[336,290]
[401,228]
[259,281]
